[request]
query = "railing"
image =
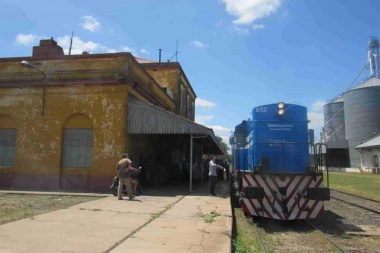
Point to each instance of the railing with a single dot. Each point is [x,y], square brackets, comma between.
[319,152]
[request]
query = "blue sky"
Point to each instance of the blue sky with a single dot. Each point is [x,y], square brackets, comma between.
[237,54]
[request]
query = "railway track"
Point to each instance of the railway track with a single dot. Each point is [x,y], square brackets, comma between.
[335,231]
[372,200]
[293,236]
[350,222]
[260,237]
[332,241]
[357,201]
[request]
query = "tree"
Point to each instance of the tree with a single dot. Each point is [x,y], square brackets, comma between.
[225,149]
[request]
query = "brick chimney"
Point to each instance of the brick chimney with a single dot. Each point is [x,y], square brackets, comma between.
[47,49]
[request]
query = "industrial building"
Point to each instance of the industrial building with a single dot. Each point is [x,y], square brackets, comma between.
[65,120]
[353,118]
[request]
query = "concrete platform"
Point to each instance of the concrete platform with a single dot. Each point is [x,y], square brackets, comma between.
[163,220]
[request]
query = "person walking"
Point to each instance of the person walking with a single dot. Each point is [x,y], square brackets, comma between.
[212,174]
[124,169]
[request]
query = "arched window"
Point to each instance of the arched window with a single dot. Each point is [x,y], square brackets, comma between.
[8,134]
[77,142]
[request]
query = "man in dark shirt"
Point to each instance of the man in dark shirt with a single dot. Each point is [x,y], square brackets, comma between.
[124,169]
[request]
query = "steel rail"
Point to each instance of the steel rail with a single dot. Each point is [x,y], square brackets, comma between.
[260,238]
[350,194]
[353,204]
[337,245]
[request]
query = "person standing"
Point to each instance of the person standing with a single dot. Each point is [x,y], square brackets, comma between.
[226,174]
[212,174]
[124,169]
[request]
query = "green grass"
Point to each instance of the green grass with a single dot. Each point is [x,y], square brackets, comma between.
[365,185]
[246,240]
[158,214]
[15,207]
[209,218]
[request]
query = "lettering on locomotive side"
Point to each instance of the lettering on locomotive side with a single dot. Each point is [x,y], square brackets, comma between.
[282,127]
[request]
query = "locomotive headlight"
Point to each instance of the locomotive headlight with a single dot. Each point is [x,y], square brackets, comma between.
[281,105]
[281,112]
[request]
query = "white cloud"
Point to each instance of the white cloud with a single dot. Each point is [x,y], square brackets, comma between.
[143,51]
[238,30]
[203,119]
[79,46]
[224,133]
[285,14]
[315,115]
[27,39]
[90,24]
[204,103]
[197,43]
[258,26]
[111,50]
[318,105]
[316,120]
[128,49]
[221,131]
[219,23]
[247,11]
[131,50]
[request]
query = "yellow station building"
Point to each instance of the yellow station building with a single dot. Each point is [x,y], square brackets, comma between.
[65,120]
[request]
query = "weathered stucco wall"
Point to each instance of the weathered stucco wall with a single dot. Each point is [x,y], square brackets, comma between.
[167,78]
[78,91]
[40,137]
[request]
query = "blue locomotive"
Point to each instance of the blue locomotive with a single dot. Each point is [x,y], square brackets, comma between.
[277,172]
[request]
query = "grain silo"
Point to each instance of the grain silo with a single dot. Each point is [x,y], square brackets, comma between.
[354,117]
[362,115]
[333,114]
[334,134]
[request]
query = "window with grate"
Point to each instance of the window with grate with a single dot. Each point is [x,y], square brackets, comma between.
[7,146]
[77,147]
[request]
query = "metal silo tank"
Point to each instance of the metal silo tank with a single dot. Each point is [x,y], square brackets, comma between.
[362,114]
[333,116]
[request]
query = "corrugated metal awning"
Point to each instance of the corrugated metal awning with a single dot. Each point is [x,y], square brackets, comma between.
[144,118]
[373,142]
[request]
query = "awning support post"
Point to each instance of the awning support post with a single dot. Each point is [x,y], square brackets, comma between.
[191,161]
[202,165]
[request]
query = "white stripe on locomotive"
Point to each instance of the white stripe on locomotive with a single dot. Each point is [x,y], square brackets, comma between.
[295,184]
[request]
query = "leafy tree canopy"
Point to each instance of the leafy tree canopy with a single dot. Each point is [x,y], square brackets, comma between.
[225,148]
